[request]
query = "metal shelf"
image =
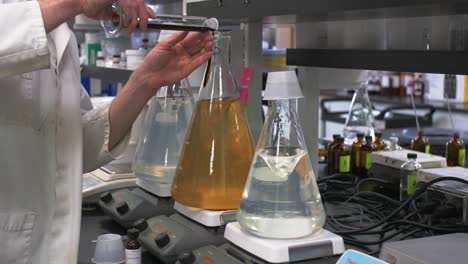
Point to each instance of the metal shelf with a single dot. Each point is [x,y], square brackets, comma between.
[108,74]
[323,10]
[444,62]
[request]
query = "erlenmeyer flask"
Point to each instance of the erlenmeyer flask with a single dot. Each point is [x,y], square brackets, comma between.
[281,198]
[218,149]
[164,131]
[360,117]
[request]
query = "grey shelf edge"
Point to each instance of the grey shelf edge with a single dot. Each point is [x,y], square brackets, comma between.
[443,62]
[107,74]
[319,9]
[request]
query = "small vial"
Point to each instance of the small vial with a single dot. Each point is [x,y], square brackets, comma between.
[365,155]
[379,142]
[393,144]
[455,151]
[330,146]
[355,153]
[408,173]
[421,143]
[132,248]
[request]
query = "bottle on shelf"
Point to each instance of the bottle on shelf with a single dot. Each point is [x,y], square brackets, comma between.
[420,86]
[341,157]
[385,84]
[355,153]
[408,173]
[379,142]
[395,83]
[455,151]
[421,143]
[365,155]
[405,80]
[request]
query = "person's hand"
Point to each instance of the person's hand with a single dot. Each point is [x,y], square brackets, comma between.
[174,58]
[136,11]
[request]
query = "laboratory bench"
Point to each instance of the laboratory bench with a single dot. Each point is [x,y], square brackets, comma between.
[94,223]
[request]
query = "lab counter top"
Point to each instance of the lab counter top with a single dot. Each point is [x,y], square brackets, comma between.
[95,223]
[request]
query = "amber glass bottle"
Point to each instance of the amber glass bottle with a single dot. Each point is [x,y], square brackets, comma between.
[379,142]
[341,157]
[355,150]
[330,146]
[365,155]
[455,151]
[421,143]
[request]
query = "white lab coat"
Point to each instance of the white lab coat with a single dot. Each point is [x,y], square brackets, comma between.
[49,135]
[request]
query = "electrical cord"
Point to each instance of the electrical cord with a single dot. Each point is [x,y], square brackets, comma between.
[358,185]
[406,203]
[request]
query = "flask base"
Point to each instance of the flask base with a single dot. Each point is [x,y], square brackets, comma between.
[317,245]
[206,217]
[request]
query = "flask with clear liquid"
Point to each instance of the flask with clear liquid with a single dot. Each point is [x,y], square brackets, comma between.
[164,131]
[360,118]
[281,199]
[218,149]
[113,28]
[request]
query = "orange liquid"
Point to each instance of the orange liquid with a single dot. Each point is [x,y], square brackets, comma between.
[216,157]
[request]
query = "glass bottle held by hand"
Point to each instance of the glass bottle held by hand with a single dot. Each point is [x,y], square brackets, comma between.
[164,132]
[281,198]
[218,150]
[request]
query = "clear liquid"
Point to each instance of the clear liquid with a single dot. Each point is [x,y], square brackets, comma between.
[216,157]
[281,198]
[158,153]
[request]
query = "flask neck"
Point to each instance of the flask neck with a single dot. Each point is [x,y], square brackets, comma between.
[222,49]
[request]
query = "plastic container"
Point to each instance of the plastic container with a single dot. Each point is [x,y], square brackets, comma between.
[281,199]
[408,174]
[134,58]
[109,250]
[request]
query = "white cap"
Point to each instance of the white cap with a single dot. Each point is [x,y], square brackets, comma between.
[282,85]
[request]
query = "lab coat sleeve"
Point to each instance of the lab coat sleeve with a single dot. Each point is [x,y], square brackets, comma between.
[23,47]
[96,132]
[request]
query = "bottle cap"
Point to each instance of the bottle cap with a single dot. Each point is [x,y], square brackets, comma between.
[378,134]
[133,233]
[336,136]
[340,139]
[368,137]
[394,140]
[412,155]
[282,85]
[360,135]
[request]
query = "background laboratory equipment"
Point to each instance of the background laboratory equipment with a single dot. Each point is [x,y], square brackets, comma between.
[455,151]
[360,117]
[408,174]
[281,190]
[165,128]
[114,28]
[218,149]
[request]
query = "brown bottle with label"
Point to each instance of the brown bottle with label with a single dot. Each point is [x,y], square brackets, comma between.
[421,143]
[355,156]
[365,155]
[341,156]
[379,142]
[455,152]
[330,146]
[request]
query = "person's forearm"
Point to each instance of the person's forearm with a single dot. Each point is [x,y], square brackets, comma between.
[125,109]
[57,12]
